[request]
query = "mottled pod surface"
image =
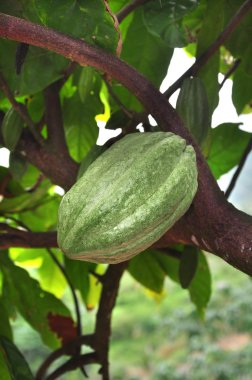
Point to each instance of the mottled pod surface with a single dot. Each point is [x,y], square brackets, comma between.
[128,198]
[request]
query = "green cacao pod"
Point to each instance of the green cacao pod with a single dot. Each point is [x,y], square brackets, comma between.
[128,198]
[192,106]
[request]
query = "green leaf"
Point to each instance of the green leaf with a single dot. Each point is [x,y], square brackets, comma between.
[145,269]
[27,200]
[214,15]
[12,363]
[5,327]
[33,303]
[241,92]
[164,19]
[47,272]
[86,82]
[18,165]
[200,287]
[79,121]
[12,126]
[192,106]
[12,187]
[44,216]
[78,272]
[91,22]
[228,144]
[239,41]
[188,266]
[145,53]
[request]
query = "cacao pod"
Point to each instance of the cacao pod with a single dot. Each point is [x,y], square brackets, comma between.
[192,106]
[127,198]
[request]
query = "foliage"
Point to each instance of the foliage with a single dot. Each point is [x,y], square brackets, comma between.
[41,92]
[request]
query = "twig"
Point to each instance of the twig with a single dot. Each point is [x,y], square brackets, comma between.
[230,71]
[74,363]
[125,110]
[111,282]
[64,350]
[75,299]
[203,58]
[21,109]
[116,25]
[124,12]
[239,169]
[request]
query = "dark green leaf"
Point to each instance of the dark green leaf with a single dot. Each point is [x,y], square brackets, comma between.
[214,15]
[78,272]
[27,200]
[79,121]
[192,106]
[12,363]
[200,287]
[188,266]
[18,165]
[228,144]
[86,82]
[164,19]
[34,304]
[12,126]
[5,327]
[241,93]
[145,269]
[11,187]
[239,42]
[44,216]
[145,53]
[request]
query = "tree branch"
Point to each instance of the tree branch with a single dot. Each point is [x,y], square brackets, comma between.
[61,170]
[230,72]
[74,363]
[53,118]
[210,223]
[69,347]
[27,239]
[203,58]
[110,289]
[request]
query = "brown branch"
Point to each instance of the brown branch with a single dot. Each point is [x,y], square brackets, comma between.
[110,289]
[26,239]
[74,363]
[124,12]
[239,169]
[230,72]
[20,109]
[53,118]
[61,170]
[203,58]
[211,223]
[65,350]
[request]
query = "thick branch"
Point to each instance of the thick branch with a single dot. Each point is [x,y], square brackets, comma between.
[61,170]
[232,239]
[53,117]
[26,239]
[203,58]
[110,289]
